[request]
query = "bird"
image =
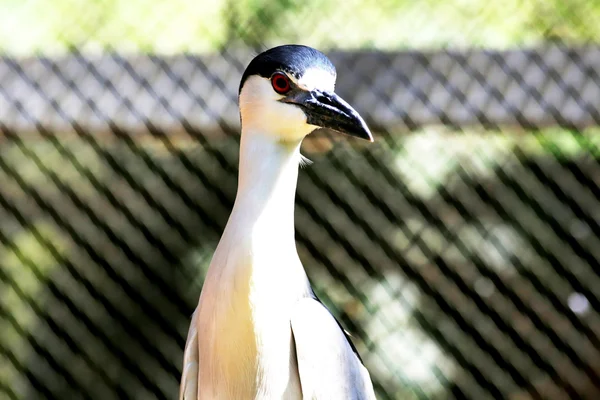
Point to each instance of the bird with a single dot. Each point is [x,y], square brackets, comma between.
[259,331]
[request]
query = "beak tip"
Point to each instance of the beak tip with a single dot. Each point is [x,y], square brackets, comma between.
[370,136]
[362,129]
[367,133]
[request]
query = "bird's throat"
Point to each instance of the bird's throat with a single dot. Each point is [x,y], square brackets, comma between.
[255,278]
[268,176]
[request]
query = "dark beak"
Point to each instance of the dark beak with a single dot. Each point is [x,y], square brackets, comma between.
[328,110]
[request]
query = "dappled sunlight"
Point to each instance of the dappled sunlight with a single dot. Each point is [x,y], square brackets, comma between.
[429,159]
[403,355]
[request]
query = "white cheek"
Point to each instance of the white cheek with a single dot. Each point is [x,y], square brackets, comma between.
[262,112]
[285,116]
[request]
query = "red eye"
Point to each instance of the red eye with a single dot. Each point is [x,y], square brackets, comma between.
[280,83]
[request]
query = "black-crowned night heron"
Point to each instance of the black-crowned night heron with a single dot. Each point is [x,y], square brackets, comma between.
[259,332]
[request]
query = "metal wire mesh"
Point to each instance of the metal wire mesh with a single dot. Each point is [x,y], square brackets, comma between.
[461,249]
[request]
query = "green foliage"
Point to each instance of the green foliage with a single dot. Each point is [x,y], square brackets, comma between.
[571,20]
[125,25]
[428,159]
[42,26]
[27,269]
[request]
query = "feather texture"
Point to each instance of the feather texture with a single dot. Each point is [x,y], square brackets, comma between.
[328,365]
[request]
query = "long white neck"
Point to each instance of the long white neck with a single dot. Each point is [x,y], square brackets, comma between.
[264,204]
[254,280]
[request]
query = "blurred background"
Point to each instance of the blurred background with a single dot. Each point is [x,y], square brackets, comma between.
[461,249]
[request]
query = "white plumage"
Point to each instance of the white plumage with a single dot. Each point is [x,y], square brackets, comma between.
[258,331]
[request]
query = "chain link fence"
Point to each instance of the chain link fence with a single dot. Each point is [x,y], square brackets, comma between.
[461,249]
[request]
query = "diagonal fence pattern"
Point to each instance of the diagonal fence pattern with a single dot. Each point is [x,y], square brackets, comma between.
[461,249]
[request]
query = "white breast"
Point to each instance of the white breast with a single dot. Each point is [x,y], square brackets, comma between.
[245,317]
[273,300]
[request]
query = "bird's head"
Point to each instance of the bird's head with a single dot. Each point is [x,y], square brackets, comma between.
[288,92]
